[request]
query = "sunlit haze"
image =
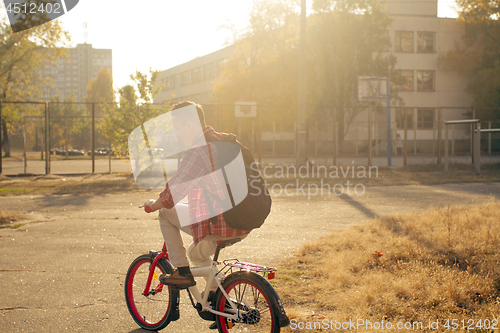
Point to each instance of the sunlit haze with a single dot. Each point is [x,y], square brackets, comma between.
[162,34]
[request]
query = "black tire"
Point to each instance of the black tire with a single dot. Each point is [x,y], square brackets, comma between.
[151,312]
[253,290]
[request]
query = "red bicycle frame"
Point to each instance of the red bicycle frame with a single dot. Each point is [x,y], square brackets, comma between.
[151,270]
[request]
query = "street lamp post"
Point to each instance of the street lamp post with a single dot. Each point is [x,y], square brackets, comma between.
[302,102]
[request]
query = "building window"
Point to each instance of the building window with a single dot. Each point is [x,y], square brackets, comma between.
[196,75]
[185,78]
[406,80]
[426,42]
[425,118]
[403,41]
[220,65]
[425,80]
[208,72]
[400,120]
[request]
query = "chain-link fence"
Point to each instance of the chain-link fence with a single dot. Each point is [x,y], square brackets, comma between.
[76,132]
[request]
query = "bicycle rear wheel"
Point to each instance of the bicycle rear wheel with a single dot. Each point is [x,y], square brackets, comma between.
[152,311]
[252,295]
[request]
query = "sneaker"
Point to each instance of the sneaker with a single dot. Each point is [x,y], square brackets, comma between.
[213,326]
[177,280]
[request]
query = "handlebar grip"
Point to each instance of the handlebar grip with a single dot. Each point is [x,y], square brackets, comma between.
[147,209]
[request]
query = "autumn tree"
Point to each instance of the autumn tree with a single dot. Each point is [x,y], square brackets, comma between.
[478,57]
[133,109]
[348,39]
[345,39]
[23,55]
[263,67]
[100,88]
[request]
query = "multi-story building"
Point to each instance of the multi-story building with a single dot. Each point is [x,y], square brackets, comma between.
[418,37]
[72,74]
[194,79]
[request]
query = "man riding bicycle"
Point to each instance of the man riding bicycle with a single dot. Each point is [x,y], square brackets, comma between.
[191,180]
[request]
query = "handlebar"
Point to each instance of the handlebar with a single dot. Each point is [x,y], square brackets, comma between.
[147,209]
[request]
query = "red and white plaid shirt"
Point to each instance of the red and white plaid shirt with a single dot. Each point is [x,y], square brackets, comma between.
[195,164]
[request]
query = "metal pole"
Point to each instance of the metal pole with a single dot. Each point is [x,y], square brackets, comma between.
[446,148]
[472,136]
[370,137]
[489,138]
[405,138]
[356,139]
[440,117]
[109,156]
[453,141]
[1,138]
[389,133]
[47,139]
[24,143]
[414,132]
[274,138]
[93,137]
[302,102]
[477,148]
[316,141]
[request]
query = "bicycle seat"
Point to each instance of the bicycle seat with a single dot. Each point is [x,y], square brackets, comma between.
[224,244]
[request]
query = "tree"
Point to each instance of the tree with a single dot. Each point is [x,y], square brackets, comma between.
[263,67]
[133,109]
[66,129]
[478,57]
[348,39]
[22,56]
[100,88]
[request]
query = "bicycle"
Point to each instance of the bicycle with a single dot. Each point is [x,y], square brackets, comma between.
[243,302]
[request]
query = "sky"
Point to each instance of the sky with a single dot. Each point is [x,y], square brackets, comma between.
[161,34]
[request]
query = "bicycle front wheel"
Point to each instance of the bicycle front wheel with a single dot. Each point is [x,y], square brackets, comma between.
[150,311]
[252,296]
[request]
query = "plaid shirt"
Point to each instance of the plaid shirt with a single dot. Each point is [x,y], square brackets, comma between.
[196,169]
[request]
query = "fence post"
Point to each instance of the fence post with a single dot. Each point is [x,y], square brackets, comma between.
[376,137]
[446,148]
[489,139]
[254,149]
[47,139]
[405,137]
[414,132]
[472,143]
[24,144]
[370,124]
[440,118]
[477,148]
[93,138]
[452,141]
[1,138]
[109,154]
[433,138]
[66,139]
[274,138]
[316,140]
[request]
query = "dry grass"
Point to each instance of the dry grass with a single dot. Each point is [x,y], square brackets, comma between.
[8,218]
[442,264]
[59,185]
[384,176]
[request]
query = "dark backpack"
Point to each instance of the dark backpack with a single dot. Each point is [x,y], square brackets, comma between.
[252,211]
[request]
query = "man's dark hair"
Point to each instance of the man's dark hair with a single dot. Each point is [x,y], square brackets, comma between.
[199,109]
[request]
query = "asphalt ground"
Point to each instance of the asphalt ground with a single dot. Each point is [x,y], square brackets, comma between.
[64,270]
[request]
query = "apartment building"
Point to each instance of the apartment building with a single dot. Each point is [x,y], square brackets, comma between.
[72,74]
[194,79]
[418,37]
